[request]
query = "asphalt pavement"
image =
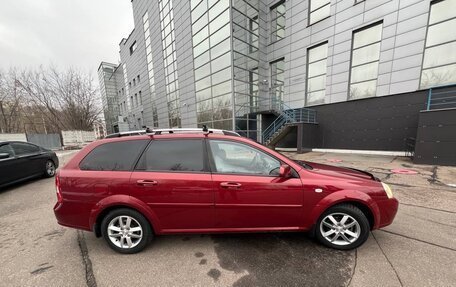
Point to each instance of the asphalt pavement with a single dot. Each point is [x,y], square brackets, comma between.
[418,249]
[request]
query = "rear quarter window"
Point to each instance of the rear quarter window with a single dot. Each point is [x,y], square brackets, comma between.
[116,156]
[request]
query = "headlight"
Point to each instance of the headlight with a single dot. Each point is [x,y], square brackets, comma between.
[388,190]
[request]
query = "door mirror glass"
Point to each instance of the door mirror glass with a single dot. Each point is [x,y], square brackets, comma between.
[285,171]
[4,155]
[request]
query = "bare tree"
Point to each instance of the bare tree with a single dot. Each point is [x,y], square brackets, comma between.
[66,100]
[10,103]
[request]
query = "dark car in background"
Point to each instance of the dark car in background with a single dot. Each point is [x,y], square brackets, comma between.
[21,161]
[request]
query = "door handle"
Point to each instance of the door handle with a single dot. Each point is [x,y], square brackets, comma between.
[230,185]
[146,182]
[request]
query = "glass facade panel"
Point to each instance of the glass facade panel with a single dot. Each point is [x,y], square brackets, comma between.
[170,64]
[278,21]
[439,63]
[366,54]
[363,89]
[365,59]
[316,74]
[212,62]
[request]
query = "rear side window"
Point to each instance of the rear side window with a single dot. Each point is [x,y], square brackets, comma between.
[6,148]
[24,148]
[173,155]
[116,156]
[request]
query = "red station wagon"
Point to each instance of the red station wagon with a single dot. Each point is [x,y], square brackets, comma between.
[128,189]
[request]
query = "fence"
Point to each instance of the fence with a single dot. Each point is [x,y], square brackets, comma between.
[13,137]
[50,141]
[73,138]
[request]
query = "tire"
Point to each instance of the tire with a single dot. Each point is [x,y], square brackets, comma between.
[125,237]
[49,169]
[347,229]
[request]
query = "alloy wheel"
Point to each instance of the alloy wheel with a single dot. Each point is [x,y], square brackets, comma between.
[340,229]
[125,232]
[50,168]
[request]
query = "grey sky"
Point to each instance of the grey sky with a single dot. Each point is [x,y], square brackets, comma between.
[76,33]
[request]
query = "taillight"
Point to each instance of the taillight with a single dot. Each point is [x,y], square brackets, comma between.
[57,189]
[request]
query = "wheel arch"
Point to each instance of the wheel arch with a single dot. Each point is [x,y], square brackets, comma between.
[121,201]
[356,198]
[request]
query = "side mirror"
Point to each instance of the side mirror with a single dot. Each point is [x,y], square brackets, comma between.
[4,155]
[285,171]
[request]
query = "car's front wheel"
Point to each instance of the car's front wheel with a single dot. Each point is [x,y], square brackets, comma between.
[126,230]
[342,227]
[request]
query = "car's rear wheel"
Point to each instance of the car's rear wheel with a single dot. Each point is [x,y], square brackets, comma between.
[126,230]
[50,169]
[342,227]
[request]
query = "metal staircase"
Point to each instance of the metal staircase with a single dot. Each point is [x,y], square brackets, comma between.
[287,117]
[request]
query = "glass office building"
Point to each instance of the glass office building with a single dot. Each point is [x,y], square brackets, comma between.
[238,64]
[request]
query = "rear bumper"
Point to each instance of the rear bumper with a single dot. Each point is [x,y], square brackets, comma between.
[72,215]
[388,209]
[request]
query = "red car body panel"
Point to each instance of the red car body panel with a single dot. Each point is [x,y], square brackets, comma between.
[207,202]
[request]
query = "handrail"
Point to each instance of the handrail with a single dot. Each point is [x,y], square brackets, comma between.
[436,102]
[288,115]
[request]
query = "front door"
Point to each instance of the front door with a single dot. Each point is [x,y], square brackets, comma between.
[249,192]
[173,178]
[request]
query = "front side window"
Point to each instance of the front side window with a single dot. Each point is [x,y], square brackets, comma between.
[319,10]
[231,157]
[173,155]
[316,74]
[278,21]
[115,156]
[24,148]
[364,64]
[439,64]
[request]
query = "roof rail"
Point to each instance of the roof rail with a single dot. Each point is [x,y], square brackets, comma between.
[191,130]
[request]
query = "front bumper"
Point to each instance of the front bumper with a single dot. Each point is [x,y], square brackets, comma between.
[388,209]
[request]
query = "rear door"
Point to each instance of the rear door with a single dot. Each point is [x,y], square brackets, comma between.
[9,167]
[29,158]
[173,178]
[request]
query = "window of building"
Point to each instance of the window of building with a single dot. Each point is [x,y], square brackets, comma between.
[117,156]
[231,157]
[278,21]
[136,100]
[140,97]
[131,102]
[364,64]
[319,10]
[277,80]
[133,47]
[134,82]
[439,63]
[253,34]
[150,68]
[316,74]
[173,155]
